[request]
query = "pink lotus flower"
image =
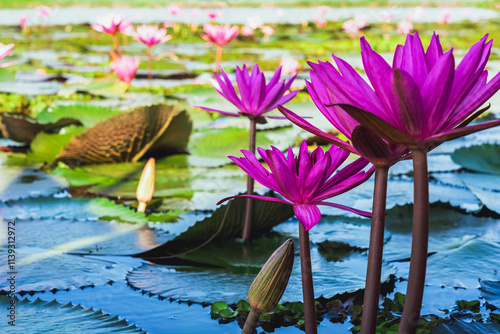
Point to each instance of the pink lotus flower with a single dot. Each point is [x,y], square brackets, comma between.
[151,35]
[257,97]
[111,24]
[4,51]
[267,30]
[125,68]
[219,35]
[174,9]
[247,30]
[350,27]
[323,10]
[213,14]
[22,21]
[44,11]
[289,66]
[320,22]
[305,181]
[405,27]
[386,16]
[445,17]
[422,100]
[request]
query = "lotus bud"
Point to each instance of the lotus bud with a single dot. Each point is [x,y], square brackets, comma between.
[146,185]
[269,285]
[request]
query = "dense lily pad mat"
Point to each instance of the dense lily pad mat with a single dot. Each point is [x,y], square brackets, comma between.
[44,270]
[52,317]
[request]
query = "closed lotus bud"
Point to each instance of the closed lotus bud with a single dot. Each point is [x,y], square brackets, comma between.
[146,185]
[270,284]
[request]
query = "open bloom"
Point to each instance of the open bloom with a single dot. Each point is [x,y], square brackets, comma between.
[125,68]
[257,97]
[219,35]
[4,51]
[289,66]
[174,9]
[151,35]
[422,100]
[306,180]
[111,24]
[405,27]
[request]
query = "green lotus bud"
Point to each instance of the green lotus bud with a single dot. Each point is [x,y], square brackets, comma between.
[269,285]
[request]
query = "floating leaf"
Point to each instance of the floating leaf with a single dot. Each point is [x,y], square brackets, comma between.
[126,137]
[490,199]
[88,115]
[51,317]
[44,270]
[490,291]
[481,158]
[46,147]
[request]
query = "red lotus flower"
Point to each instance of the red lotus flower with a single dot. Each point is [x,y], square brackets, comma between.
[306,180]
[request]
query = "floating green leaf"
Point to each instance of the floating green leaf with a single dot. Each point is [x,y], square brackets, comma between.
[88,115]
[46,147]
[481,158]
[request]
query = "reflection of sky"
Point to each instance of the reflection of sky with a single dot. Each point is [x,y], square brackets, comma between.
[241,15]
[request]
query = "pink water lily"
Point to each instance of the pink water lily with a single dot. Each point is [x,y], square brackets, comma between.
[219,35]
[289,66]
[422,100]
[125,68]
[151,35]
[4,51]
[111,24]
[305,181]
[257,97]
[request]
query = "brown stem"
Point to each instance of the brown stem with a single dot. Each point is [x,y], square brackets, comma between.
[150,64]
[251,322]
[420,236]
[375,252]
[307,282]
[116,46]
[247,224]
[218,58]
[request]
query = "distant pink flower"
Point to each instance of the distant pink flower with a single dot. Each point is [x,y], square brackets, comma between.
[350,27]
[415,14]
[125,68]
[44,11]
[323,10]
[267,30]
[213,14]
[386,16]
[361,20]
[22,21]
[219,35]
[254,22]
[168,24]
[289,66]
[4,51]
[320,22]
[247,30]
[306,180]
[405,27]
[111,24]
[40,72]
[174,9]
[151,35]
[445,17]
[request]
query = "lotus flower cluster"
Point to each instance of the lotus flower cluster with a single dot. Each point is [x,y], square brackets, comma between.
[219,35]
[111,24]
[306,180]
[257,97]
[125,68]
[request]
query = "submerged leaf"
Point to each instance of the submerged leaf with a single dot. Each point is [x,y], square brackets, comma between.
[128,137]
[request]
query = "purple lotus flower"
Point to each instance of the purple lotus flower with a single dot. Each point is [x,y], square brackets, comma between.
[422,100]
[257,97]
[305,181]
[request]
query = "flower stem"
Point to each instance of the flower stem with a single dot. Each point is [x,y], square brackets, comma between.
[420,236]
[251,322]
[150,64]
[141,207]
[250,182]
[218,58]
[116,46]
[307,282]
[375,252]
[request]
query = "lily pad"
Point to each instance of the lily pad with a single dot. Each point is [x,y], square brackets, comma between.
[46,147]
[490,199]
[128,137]
[52,317]
[467,179]
[44,270]
[481,158]
[69,208]
[473,327]
[490,291]
[88,115]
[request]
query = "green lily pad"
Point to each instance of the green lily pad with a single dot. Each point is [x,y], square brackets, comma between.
[69,208]
[490,291]
[88,115]
[481,158]
[473,327]
[88,237]
[490,199]
[46,147]
[467,179]
[52,317]
[45,270]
